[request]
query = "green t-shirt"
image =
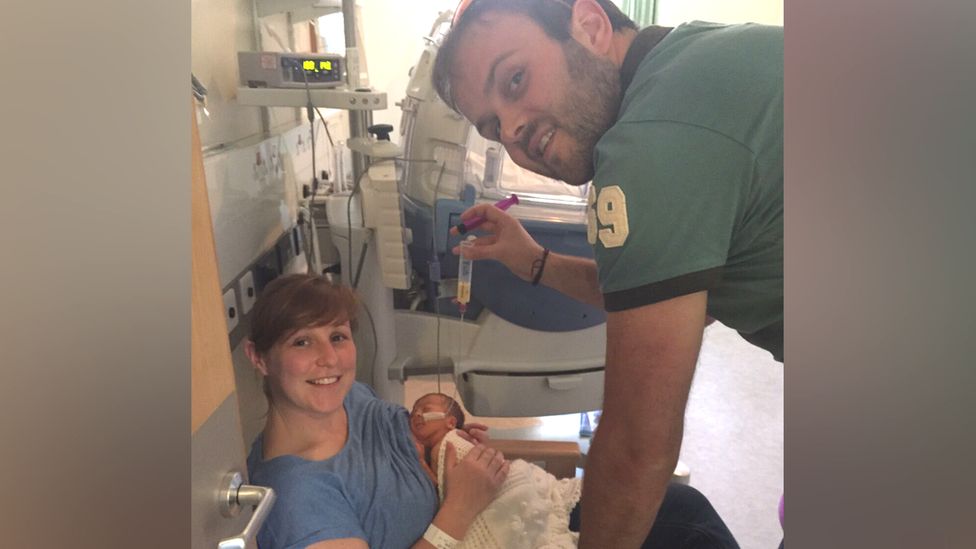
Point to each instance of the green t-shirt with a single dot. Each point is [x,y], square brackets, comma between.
[688,189]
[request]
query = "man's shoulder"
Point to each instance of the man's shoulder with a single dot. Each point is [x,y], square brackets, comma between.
[702,70]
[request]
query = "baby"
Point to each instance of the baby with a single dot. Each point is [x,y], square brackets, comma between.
[532,507]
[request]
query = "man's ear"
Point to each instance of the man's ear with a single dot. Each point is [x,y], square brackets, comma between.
[256,359]
[591,27]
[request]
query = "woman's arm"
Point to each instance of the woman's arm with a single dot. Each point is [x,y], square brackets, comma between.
[469,487]
[344,543]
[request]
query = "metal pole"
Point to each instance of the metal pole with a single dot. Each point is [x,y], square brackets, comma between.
[358,120]
[256,42]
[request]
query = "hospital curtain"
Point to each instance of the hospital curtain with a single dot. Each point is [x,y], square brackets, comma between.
[643,12]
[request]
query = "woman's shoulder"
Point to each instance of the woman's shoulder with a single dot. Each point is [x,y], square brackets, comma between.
[360,392]
[362,399]
[292,474]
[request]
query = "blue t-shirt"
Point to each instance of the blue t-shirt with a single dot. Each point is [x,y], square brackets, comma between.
[374,489]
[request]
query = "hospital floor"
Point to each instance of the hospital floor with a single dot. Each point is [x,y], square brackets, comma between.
[733,441]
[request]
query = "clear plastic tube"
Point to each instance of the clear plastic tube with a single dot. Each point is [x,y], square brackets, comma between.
[464,275]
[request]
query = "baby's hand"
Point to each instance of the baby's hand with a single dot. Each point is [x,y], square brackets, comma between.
[423,462]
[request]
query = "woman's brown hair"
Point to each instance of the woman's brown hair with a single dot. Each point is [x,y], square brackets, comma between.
[297,301]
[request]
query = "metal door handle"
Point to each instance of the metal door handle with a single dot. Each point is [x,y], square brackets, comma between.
[235,495]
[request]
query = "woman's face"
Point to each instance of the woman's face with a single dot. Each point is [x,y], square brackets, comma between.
[311,370]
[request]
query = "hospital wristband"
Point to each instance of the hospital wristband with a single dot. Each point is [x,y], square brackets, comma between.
[439,539]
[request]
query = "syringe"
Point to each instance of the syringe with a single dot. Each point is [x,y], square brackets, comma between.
[477,220]
[464,276]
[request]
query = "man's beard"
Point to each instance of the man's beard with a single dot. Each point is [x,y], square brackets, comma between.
[588,109]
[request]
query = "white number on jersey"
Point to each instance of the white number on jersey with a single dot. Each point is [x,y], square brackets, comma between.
[610,209]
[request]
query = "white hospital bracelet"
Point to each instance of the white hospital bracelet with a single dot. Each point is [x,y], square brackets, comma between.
[436,537]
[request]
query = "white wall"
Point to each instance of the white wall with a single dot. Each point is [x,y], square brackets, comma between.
[673,12]
[253,181]
[394,31]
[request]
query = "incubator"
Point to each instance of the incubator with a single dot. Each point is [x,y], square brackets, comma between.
[520,350]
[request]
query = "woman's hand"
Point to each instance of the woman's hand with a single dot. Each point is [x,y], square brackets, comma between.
[508,242]
[473,483]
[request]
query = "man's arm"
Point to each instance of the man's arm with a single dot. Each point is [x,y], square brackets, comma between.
[509,243]
[651,356]
[573,276]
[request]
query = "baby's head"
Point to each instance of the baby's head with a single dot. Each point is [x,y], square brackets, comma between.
[433,416]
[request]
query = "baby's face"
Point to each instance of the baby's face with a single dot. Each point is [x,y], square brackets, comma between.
[429,420]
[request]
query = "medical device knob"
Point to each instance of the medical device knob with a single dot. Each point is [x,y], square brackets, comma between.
[381,131]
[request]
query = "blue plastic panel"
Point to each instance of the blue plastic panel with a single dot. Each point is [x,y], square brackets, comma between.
[492,285]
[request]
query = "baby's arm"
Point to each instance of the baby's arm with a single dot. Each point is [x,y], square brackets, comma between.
[423,462]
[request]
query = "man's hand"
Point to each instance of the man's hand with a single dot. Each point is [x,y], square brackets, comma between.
[508,241]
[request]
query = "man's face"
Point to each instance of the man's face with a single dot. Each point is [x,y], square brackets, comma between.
[548,103]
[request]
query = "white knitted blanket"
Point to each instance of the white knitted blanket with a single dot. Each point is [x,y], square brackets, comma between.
[531,510]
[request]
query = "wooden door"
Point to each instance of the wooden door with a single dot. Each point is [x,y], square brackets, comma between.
[217,443]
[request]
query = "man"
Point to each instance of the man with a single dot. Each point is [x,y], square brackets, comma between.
[680,131]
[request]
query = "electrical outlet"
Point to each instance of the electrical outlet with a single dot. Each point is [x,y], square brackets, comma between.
[249,293]
[232,313]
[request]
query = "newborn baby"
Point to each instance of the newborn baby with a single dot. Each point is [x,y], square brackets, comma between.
[532,508]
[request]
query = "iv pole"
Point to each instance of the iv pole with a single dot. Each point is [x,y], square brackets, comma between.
[358,120]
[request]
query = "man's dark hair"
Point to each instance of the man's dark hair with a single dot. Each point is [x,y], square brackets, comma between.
[552,15]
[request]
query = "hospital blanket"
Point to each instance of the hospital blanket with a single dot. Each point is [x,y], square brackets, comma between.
[531,510]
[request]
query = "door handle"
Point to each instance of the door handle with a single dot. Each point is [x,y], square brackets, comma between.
[233,496]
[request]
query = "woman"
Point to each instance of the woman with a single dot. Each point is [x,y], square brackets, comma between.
[342,461]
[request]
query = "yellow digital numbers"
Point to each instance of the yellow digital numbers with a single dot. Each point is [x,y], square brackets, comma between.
[325,65]
[308,65]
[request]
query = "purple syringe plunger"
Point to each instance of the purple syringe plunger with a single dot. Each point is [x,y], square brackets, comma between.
[475,222]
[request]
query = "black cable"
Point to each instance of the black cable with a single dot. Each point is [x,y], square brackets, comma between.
[362,261]
[310,115]
[376,343]
[326,126]
[359,268]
